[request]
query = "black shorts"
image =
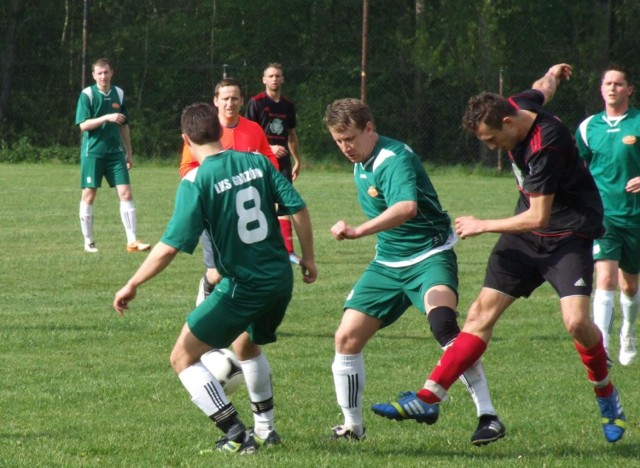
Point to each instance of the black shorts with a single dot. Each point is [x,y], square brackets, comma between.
[285,166]
[519,263]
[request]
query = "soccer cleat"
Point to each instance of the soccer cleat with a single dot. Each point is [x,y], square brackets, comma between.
[137,246]
[489,429]
[347,433]
[91,248]
[248,446]
[293,258]
[273,438]
[614,422]
[408,406]
[628,349]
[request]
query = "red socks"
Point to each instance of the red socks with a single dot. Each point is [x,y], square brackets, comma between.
[595,361]
[465,350]
[287,233]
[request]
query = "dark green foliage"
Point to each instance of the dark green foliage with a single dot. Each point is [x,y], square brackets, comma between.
[422,64]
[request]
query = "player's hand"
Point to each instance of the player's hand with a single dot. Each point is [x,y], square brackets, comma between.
[119,119]
[633,186]
[309,270]
[295,170]
[121,302]
[468,226]
[562,71]
[279,150]
[129,162]
[341,231]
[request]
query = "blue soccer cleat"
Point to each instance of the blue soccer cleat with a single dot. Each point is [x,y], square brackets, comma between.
[614,422]
[408,406]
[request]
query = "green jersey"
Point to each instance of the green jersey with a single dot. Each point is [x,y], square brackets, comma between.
[232,196]
[105,140]
[394,174]
[611,148]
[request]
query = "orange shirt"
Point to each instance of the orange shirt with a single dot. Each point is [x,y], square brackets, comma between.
[245,136]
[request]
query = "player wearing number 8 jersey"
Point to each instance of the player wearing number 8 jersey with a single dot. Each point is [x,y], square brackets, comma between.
[232,197]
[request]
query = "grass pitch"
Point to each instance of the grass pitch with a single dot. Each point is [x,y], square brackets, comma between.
[81,386]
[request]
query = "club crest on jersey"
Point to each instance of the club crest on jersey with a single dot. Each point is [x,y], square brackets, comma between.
[629,140]
[115,105]
[276,126]
[372,191]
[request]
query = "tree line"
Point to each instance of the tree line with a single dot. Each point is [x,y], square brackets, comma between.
[424,59]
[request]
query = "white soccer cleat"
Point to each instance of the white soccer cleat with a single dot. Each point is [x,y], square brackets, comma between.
[91,248]
[628,349]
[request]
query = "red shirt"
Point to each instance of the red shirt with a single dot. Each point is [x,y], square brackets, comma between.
[245,136]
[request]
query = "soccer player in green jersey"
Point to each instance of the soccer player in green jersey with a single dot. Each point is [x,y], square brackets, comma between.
[232,197]
[106,152]
[414,264]
[610,143]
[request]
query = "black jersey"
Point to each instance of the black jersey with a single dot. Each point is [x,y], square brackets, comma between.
[275,118]
[546,162]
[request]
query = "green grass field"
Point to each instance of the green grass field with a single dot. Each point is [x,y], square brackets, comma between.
[81,386]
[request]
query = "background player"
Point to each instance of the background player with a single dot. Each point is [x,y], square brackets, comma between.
[609,142]
[276,114]
[106,152]
[232,196]
[239,134]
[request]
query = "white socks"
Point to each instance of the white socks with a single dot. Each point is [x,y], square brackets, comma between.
[476,382]
[349,379]
[128,216]
[629,307]
[205,390]
[603,314]
[86,222]
[257,375]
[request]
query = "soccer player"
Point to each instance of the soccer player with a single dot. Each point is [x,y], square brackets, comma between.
[276,114]
[232,196]
[608,141]
[550,238]
[106,152]
[414,264]
[239,134]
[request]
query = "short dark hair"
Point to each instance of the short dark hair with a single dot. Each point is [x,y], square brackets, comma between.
[227,82]
[101,62]
[200,123]
[624,70]
[487,108]
[346,113]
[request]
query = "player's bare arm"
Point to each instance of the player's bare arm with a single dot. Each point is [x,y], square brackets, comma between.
[293,149]
[157,260]
[92,124]
[536,217]
[125,135]
[302,224]
[393,216]
[548,84]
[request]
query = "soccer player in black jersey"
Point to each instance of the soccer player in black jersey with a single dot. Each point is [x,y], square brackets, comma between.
[550,238]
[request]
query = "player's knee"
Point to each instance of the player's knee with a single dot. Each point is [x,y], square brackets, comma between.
[444,324]
[347,341]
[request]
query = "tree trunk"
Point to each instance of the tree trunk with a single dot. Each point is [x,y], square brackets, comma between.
[9,62]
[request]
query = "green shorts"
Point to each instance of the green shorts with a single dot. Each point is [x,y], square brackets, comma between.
[232,309]
[112,167]
[621,244]
[385,293]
